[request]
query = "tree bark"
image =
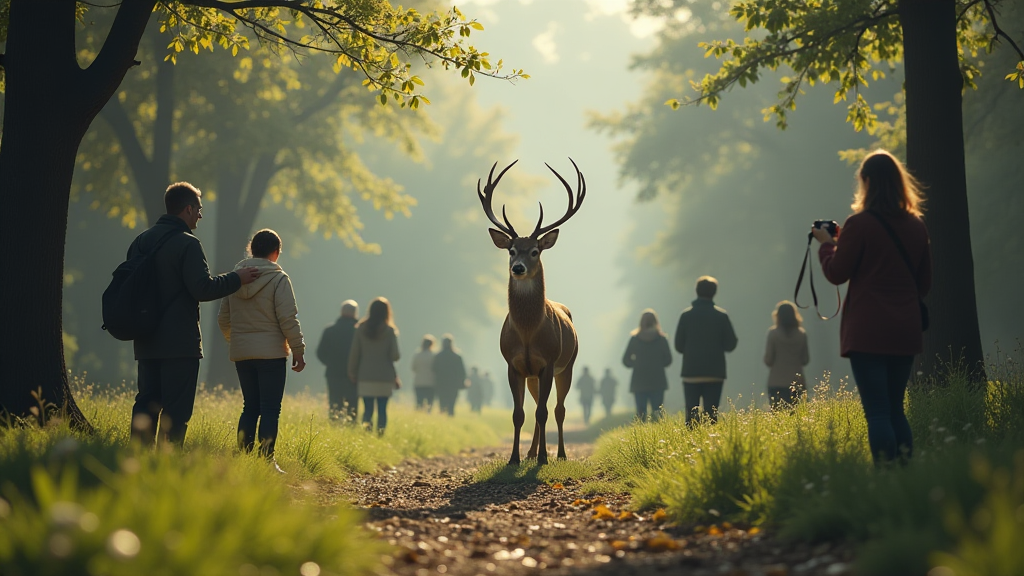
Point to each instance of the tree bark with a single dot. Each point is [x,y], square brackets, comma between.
[935,155]
[48,106]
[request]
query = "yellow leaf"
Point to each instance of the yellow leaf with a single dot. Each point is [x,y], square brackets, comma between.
[659,515]
[661,542]
[558,486]
[618,544]
[601,512]
[754,530]
[627,515]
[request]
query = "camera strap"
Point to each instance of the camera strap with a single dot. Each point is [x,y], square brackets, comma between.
[814,294]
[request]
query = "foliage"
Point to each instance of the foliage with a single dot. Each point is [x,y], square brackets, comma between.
[847,43]
[807,473]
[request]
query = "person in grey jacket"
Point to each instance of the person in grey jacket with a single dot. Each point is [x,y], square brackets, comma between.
[371,362]
[169,358]
[786,354]
[449,375]
[648,355]
[333,350]
[703,337]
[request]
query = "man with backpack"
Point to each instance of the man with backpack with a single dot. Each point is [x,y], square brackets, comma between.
[168,356]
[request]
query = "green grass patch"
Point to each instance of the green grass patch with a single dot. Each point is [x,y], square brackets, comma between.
[807,472]
[74,504]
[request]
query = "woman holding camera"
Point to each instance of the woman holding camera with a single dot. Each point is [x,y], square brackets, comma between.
[883,251]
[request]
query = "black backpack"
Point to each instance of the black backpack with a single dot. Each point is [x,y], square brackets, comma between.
[131,302]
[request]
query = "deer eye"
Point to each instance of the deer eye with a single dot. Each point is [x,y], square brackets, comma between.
[511,251]
[535,253]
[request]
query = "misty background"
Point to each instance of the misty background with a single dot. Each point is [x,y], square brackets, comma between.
[671,195]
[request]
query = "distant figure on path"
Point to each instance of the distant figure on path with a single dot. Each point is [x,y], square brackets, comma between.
[423,373]
[449,375]
[586,385]
[608,387]
[786,353]
[371,362]
[703,337]
[475,393]
[884,252]
[169,358]
[261,324]
[648,354]
[333,350]
[488,384]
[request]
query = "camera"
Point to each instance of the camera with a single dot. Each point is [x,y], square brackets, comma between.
[829,225]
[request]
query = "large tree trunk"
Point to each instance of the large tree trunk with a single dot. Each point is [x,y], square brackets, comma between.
[49,103]
[935,155]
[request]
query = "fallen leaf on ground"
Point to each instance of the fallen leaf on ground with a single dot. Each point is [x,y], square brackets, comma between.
[754,530]
[627,515]
[558,486]
[619,544]
[714,530]
[661,542]
[601,512]
[659,515]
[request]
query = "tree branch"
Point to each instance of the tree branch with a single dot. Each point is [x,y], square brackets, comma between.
[999,31]
[118,120]
[118,51]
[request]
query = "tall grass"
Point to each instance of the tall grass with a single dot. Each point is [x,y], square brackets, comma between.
[807,472]
[74,504]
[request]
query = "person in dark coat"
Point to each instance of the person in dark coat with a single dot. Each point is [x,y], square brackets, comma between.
[475,393]
[333,351]
[608,387]
[648,354]
[881,328]
[488,388]
[169,358]
[703,337]
[586,385]
[449,375]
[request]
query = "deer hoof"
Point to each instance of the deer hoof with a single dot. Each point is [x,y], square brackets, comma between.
[513,461]
[562,457]
[542,459]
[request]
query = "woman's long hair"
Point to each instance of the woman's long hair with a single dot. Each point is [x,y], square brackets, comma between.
[885,186]
[648,319]
[786,317]
[378,316]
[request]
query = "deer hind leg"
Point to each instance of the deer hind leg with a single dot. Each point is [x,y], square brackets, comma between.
[532,385]
[518,413]
[542,413]
[562,383]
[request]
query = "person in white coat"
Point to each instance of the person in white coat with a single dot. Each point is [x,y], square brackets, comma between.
[261,325]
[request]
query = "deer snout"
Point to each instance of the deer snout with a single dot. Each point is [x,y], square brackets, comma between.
[518,269]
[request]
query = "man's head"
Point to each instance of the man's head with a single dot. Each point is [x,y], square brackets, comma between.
[349,309]
[181,199]
[447,342]
[707,287]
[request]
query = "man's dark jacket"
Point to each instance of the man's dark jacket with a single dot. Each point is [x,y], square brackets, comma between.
[449,371]
[703,337]
[184,281]
[335,346]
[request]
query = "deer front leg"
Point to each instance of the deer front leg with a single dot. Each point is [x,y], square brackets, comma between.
[546,377]
[531,385]
[562,383]
[518,414]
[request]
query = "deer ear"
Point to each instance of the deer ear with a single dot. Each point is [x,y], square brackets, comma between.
[548,240]
[500,239]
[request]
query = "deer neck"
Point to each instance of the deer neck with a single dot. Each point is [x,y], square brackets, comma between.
[526,302]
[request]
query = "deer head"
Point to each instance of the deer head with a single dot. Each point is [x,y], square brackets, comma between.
[524,252]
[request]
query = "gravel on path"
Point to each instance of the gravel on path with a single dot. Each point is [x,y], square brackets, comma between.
[440,521]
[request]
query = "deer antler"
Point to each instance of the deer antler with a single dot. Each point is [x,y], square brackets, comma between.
[581,192]
[488,194]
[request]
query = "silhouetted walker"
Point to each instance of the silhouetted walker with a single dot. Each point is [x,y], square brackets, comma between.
[371,362]
[703,337]
[648,354]
[475,392]
[609,385]
[333,350]
[488,388]
[169,358]
[538,340]
[261,324]
[423,373]
[786,353]
[449,375]
[586,385]
[883,251]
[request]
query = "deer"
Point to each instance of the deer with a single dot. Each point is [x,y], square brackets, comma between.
[538,340]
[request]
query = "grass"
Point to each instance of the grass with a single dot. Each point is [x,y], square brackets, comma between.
[73,504]
[958,507]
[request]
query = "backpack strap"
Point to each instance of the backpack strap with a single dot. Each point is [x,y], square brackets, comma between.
[898,243]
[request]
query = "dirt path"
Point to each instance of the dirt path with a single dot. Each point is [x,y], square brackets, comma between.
[443,522]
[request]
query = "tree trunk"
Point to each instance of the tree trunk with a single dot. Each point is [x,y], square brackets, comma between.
[935,155]
[48,106]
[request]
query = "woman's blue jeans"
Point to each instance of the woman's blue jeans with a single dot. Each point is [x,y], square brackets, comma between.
[262,383]
[882,382]
[382,411]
